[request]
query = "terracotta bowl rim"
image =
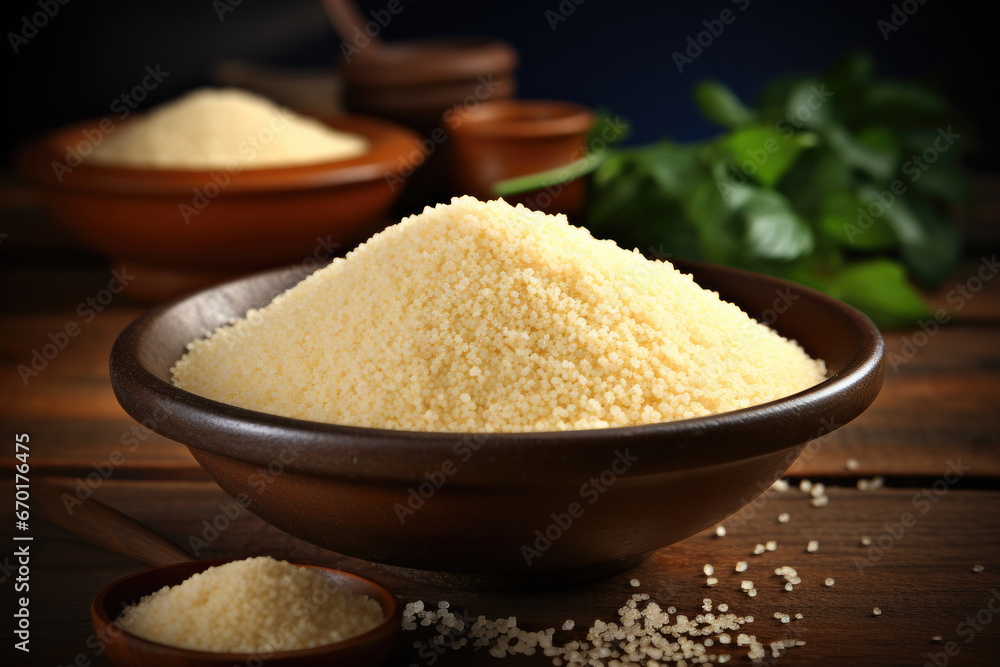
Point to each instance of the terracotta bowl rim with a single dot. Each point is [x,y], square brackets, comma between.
[535,118]
[343,451]
[392,614]
[389,141]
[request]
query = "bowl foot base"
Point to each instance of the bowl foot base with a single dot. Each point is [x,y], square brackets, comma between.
[517,581]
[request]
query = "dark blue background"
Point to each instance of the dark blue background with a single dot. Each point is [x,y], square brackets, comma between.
[612,54]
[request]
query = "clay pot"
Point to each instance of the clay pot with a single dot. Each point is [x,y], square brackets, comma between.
[508,138]
[414,83]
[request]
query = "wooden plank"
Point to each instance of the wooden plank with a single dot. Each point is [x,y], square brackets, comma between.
[938,403]
[921,578]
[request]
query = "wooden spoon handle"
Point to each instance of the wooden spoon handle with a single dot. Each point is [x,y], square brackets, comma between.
[346,20]
[106,527]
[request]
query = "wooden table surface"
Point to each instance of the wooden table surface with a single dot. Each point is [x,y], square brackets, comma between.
[938,412]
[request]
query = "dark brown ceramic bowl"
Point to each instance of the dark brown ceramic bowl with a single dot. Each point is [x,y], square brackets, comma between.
[414,82]
[502,510]
[125,650]
[216,220]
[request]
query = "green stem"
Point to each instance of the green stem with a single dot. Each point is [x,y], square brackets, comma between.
[543,179]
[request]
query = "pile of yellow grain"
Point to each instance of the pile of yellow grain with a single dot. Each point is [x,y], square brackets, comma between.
[484,317]
[253,605]
[224,128]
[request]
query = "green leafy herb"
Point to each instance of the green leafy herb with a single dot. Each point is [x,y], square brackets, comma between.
[843,182]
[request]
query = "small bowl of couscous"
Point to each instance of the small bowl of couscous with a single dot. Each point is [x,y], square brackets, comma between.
[253,611]
[487,396]
[218,183]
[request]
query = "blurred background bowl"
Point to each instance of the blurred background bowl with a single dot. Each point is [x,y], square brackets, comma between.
[192,228]
[502,139]
[497,510]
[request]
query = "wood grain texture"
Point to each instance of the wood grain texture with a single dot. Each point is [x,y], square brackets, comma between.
[939,401]
[922,578]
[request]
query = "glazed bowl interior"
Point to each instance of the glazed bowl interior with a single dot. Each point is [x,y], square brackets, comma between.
[124,648]
[480,507]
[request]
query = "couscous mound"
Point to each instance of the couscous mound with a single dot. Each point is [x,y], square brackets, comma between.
[484,317]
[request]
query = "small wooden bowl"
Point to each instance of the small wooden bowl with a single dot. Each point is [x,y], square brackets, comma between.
[218,221]
[414,82]
[125,649]
[461,509]
[507,138]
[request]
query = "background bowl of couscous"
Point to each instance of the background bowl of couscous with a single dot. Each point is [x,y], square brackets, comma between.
[500,510]
[181,214]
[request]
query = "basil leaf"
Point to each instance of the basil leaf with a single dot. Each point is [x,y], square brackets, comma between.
[720,104]
[879,289]
[846,220]
[773,229]
[874,151]
[763,153]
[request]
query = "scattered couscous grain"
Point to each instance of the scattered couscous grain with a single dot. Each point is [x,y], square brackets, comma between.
[876,611]
[813,546]
[249,606]
[978,568]
[872,484]
[224,128]
[866,541]
[771,545]
[829,581]
[634,583]
[708,569]
[720,531]
[643,634]
[741,566]
[539,325]
[784,517]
